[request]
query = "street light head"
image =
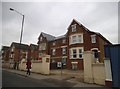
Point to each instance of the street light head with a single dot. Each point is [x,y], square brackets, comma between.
[11,9]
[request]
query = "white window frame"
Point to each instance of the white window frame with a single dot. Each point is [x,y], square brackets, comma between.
[76,40]
[64,50]
[73,27]
[41,38]
[80,40]
[77,52]
[42,46]
[53,51]
[74,53]
[93,38]
[12,48]
[64,41]
[54,43]
[64,61]
[80,53]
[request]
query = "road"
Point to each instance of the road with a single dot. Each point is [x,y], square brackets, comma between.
[10,79]
[13,80]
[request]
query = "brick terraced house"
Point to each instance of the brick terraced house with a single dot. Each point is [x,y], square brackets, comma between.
[69,48]
[33,52]
[17,52]
[5,53]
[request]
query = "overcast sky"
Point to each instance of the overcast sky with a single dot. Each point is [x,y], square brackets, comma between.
[54,18]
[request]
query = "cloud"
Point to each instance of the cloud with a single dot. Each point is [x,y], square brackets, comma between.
[55,17]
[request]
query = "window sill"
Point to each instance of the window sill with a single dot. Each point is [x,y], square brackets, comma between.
[75,43]
[76,58]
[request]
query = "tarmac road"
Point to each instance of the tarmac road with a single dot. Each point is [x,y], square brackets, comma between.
[10,79]
[13,80]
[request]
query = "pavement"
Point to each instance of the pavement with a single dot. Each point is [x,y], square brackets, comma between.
[58,75]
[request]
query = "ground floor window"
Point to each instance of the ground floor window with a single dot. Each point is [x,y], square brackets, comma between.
[64,61]
[74,65]
[76,53]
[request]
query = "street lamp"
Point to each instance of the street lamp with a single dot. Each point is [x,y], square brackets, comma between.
[20,34]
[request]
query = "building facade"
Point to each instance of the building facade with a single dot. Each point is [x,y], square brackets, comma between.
[33,52]
[67,50]
[19,52]
[5,53]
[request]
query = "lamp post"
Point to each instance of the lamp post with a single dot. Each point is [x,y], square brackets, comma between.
[20,34]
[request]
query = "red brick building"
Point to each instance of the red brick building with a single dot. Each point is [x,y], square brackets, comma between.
[33,52]
[69,48]
[17,52]
[5,53]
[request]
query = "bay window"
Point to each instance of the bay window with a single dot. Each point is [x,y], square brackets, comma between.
[77,38]
[76,53]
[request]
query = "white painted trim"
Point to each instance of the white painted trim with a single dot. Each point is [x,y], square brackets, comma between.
[74,62]
[95,49]
[77,34]
[77,49]
[63,46]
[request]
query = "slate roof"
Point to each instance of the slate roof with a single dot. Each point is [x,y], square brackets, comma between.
[52,38]
[60,37]
[18,46]
[48,36]
[5,47]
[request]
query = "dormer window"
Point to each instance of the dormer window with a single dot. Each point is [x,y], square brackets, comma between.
[73,27]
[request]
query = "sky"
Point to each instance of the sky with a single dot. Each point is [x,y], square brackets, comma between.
[55,17]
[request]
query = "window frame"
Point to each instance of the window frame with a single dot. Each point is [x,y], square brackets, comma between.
[78,39]
[42,46]
[64,50]
[93,39]
[73,27]
[53,51]
[54,43]
[64,41]
[77,53]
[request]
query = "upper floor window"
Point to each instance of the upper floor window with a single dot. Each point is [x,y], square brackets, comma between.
[40,38]
[42,46]
[93,38]
[78,38]
[12,48]
[73,27]
[64,41]
[53,51]
[74,39]
[63,50]
[54,43]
